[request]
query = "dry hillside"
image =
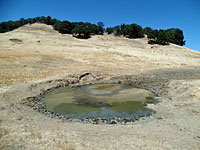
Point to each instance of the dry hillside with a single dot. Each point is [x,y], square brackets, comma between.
[33,54]
[43,52]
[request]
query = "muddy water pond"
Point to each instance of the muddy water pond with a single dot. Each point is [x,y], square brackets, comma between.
[100,101]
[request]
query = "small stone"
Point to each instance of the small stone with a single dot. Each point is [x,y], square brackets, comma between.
[35,108]
[113,122]
[20,118]
[61,117]
[127,120]
[159,118]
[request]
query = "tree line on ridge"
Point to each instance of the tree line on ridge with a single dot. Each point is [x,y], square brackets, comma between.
[84,30]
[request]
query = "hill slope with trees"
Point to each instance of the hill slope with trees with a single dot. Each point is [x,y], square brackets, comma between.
[84,30]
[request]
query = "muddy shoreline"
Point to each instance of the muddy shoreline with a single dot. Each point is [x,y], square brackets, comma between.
[156,82]
[37,103]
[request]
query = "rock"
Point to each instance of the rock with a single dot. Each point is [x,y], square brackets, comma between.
[152,42]
[113,122]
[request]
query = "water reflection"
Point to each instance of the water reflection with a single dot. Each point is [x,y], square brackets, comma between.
[99,100]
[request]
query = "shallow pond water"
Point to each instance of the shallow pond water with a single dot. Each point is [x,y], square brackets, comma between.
[100,101]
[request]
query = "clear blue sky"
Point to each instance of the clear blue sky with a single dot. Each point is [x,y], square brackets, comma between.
[183,14]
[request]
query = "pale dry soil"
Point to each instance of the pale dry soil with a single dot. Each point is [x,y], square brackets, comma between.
[44,58]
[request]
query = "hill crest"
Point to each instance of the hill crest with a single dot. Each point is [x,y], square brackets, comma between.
[45,52]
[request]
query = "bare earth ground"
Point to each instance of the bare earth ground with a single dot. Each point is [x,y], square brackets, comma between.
[46,58]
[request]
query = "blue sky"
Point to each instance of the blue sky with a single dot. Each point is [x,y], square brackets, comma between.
[158,14]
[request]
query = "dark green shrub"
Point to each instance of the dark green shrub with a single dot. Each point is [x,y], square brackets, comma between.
[147,30]
[133,31]
[64,27]
[110,30]
[81,32]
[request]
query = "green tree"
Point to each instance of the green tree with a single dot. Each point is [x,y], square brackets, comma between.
[117,30]
[81,31]
[179,37]
[42,19]
[133,31]
[94,29]
[58,27]
[147,30]
[64,27]
[21,21]
[162,39]
[37,19]
[100,28]
[170,35]
[4,27]
[100,24]
[110,30]
[152,34]
[30,20]
[123,29]
[48,20]
[53,21]
[11,25]
[1,29]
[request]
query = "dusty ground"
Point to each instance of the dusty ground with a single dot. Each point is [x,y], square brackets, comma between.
[44,58]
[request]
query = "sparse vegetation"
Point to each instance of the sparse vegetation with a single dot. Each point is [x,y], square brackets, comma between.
[85,30]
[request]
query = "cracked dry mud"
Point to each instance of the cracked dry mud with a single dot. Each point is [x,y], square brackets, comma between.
[29,67]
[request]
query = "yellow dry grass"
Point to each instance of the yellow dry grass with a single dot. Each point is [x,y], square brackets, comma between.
[58,54]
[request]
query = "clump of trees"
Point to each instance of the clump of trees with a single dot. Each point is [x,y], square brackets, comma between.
[77,29]
[64,27]
[164,37]
[85,30]
[130,30]
[81,31]
[11,25]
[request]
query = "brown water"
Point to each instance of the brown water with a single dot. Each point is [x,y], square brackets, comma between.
[99,100]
